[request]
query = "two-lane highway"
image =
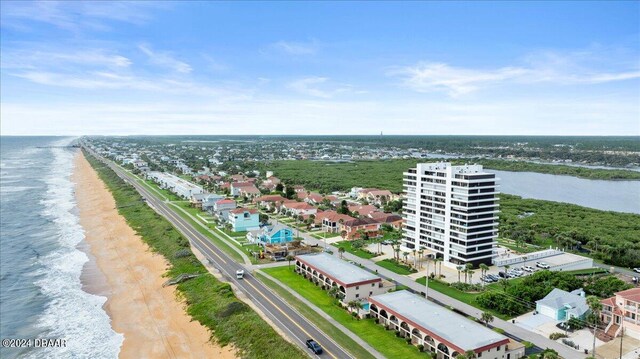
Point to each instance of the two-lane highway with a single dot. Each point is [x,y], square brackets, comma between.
[294,325]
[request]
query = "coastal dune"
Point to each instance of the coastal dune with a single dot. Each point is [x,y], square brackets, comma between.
[151,318]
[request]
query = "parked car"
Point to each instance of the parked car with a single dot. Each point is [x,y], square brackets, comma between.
[528,268]
[385,242]
[314,346]
[542,265]
[487,279]
[637,270]
[494,277]
[503,275]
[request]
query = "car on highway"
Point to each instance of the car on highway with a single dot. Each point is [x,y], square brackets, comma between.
[542,265]
[314,346]
[239,274]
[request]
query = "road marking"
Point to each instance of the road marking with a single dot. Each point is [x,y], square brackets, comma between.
[286,315]
[169,212]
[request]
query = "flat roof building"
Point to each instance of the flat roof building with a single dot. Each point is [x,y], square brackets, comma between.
[439,329]
[452,211]
[328,271]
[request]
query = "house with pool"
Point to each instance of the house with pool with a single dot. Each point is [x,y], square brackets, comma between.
[439,329]
[351,281]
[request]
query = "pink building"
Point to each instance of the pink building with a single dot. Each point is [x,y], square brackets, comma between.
[625,306]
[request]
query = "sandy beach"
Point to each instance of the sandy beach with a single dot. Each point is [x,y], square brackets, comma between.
[153,321]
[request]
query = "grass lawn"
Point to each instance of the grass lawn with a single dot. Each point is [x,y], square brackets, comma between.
[595,270]
[469,298]
[375,335]
[347,245]
[395,267]
[336,334]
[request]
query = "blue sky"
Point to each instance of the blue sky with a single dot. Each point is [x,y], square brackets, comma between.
[539,68]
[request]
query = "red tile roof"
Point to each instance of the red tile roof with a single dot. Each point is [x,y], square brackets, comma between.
[630,294]
[242,210]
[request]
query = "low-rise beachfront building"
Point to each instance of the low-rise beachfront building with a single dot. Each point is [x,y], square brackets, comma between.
[175,184]
[439,329]
[277,234]
[299,208]
[244,219]
[205,201]
[327,271]
[331,221]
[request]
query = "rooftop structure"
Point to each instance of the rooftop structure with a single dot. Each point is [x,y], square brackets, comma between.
[442,329]
[344,273]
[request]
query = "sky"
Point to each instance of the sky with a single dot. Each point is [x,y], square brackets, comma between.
[406,68]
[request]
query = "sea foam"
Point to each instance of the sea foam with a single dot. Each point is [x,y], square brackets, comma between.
[71,314]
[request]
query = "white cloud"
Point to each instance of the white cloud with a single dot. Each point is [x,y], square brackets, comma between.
[165,59]
[296,48]
[316,86]
[34,58]
[545,67]
[75,15]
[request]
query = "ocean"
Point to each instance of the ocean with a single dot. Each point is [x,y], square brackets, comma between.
[41,261]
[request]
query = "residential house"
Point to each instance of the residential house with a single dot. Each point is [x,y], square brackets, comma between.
[242,188]
[391,219]
[622,309]
[352,282]
[331,220]
[277,234]
[271,202]
[563,305]
[300,208]
[375,196]
[363,210]
[353,227]
[244,219]
[222,207]
[202,200]
[249,191]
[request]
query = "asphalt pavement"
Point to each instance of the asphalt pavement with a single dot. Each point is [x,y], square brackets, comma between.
[294,325]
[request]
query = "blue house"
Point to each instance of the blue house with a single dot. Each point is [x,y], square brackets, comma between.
[563,305]
[277,234]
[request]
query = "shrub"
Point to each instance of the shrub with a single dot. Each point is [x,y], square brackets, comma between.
[556,336]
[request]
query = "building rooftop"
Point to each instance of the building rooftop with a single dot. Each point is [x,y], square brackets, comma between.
[560,299]
[453,328]
[342,272]
[630,294]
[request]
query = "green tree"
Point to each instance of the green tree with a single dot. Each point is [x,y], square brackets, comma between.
[486,318]
[341,251]
[289,259]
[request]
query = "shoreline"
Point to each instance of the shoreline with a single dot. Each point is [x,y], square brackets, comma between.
[122,268]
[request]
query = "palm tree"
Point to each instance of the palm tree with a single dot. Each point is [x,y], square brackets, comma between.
[594,304]
[459,268]
[353,304]
[415,261]
[471,273]
[421,254]
[483,270]
[467,269]
[397,253]
[438,261]
[486,318]
[290,258]
[405,255]
[341,250]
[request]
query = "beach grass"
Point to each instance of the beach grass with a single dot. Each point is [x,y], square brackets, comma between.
[208,300]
